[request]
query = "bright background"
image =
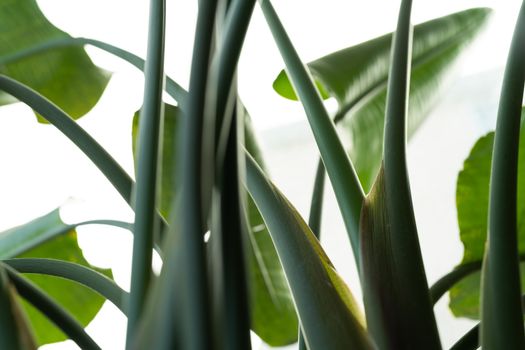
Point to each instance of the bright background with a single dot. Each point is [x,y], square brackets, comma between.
[43,170]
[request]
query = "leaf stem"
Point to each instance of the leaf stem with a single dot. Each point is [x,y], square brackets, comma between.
[347,187]
[74,272]
[53,311]
[174,90]
[146,225]
[87,144]
[501,316]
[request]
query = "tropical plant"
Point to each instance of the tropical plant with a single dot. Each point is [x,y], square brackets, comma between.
[236,254]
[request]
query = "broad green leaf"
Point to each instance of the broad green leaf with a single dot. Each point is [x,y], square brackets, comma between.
[64,75]
[356,77]
[327,311]
[82,302]
[472,199]
[273,314]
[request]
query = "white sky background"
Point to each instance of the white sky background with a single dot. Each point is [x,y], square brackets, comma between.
[43,169]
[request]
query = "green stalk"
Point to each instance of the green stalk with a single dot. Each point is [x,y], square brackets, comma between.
[232,316]
[53,311]
[347,187]
[116,175]
[74,272]
[501,316]
[146,225]
[314,221]
[14,327]
[87,144]
[316,204]
[220,83]
[235,27]
[23,244]
[194,288]
[446,282]
[175,90]
[392,271]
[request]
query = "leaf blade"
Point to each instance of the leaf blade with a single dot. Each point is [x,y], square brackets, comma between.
[66,75]
[317,290]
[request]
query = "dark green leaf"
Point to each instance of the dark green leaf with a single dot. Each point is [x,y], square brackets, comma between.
[273,314]
[64,75]
[82,302]
[357,76]
[472,199]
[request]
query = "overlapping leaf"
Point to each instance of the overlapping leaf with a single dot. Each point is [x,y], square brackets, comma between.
[356,77]
[472,198]
[64,75]
[46,237]
[327,310]
[273,314]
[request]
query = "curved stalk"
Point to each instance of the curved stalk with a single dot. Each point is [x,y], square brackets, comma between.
[172,88]
[74,272]
[89,146]
[53,311]
[347,187]
[470,340]
[235,28]
[445,283]
[32,243]
[146,226]
[116,175]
